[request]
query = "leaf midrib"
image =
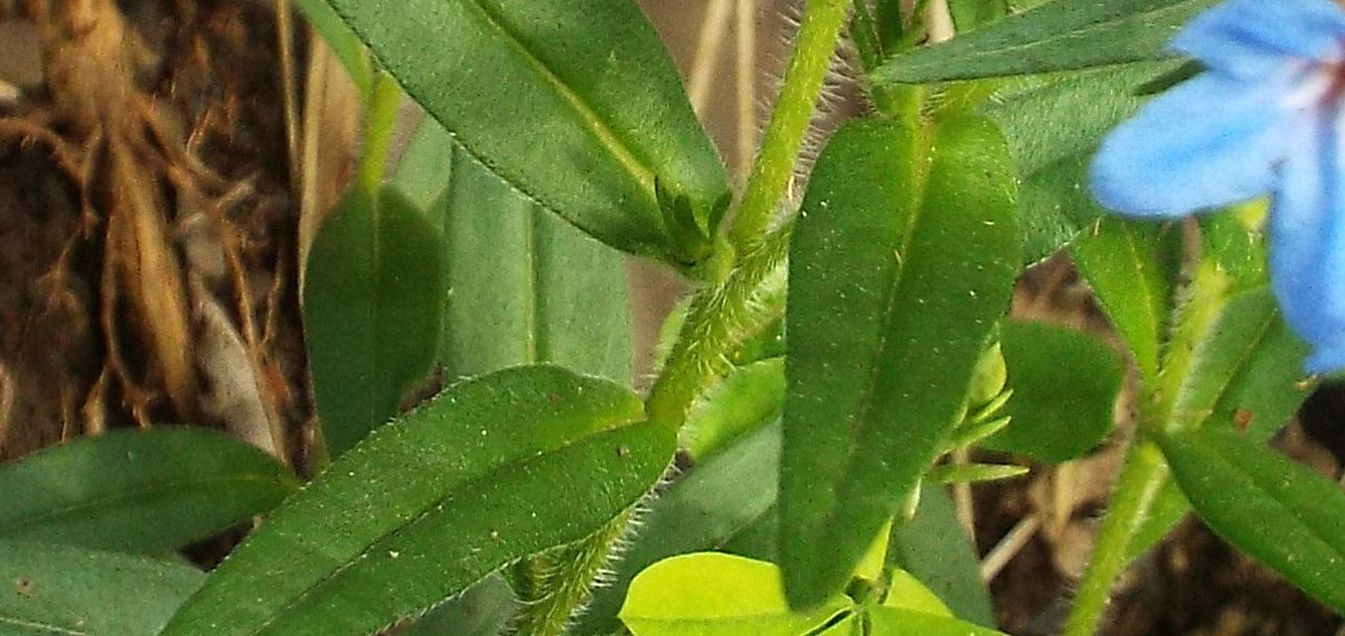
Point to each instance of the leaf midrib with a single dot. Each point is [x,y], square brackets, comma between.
[41,627]
[605,133]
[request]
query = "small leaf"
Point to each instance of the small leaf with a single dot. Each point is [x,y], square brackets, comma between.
[372,302]
[1279,512]
[934,548]
[1057,36]
[525,287]
[1053,127]
[712,594]
[492,470]
[1065,384]
[973,473]
[1132,268]
[576,104]
[58,589]
[703,510]
[743,401]
[148,491]
[895,285]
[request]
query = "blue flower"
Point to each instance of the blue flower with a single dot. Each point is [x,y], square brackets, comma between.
[1264,118]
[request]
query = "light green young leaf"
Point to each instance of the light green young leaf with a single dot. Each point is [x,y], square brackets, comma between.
[372,304]
[895,283]
[574,103]
[492,470]
[1279,512]
[1065,384]
[74,591]
[892,621]
[713,594]
[1056,36]
[148,491]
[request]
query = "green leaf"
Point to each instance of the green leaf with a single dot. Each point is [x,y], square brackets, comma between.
[1057,36]
[1279,512]
[1065,384]
[971,14]
[372,311]
[150,491]
[575,103]
[704,510]
[525,287]
[892,621]
[894,287]
[343,42]
[1054,126]
[907,592]
[425,170]
[947,474]
[742,402]
[934,548]
[492,470]
[1132,268]
[58,589]
[712,594]
[485,609]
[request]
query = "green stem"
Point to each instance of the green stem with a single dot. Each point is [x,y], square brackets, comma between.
[1141,478]
[718,321]
[821,28]
[380,124]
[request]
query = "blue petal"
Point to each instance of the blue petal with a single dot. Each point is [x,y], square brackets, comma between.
[1211,141]
[1307,249]
[1246,38]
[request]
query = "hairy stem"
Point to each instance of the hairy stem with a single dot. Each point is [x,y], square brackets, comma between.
[1141,478]
[822,23]
[553,586]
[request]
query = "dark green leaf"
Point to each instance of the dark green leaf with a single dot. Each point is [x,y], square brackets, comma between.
[1132,268]
[525,287]
[1057,36]
[67,590]
[485,609]
[1064,385]
[148,491]
[1275,510]
[1053,127]
[574,103]
[373,298]
[894,286]
[492,470]
[703,510]
[934,548]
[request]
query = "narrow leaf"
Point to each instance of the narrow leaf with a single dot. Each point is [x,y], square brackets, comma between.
[1065,384]
[934,547]
[1275,510]
[711,594]
[525,287]
[485,609]
[372,311]
[148,491]
[1132,268]
[575,103]
[894,287]
[68,590]
[1056,36]
[490,471]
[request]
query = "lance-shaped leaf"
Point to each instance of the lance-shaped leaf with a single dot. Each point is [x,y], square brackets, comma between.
[1056,36]
[68,590]
[896,279]
[935,548]
[525,287]
[1132,268]
[148,491]
[712,594]
[1054,128]
[372,308]
[1279,512]
[492,470]
[576,104]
